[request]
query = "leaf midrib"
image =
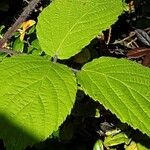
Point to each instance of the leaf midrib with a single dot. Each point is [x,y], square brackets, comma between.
[60,45]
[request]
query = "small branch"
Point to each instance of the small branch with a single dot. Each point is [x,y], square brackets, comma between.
[27,11]
[109,36]
[75,70]
[55,58]
[132,42]
[8,51]
[126,38]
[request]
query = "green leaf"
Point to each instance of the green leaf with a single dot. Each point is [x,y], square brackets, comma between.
[2,56]
[137,146]
[139,142]
[35,48]
[113,140]
[36,96]
[122,86]
[66,26]
[18,45]
[98,145]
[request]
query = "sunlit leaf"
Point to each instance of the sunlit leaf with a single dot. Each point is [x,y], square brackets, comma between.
[122,86]
[36,96]
[66,26]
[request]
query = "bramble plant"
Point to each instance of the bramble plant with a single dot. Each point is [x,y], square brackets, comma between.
[38,93]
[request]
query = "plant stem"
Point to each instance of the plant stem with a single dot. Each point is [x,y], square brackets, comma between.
[27,11]
[75,70]
[55,59]
[8,51]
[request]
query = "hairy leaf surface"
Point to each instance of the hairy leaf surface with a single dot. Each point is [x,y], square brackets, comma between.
[36,96]
[121,86]
[66,26]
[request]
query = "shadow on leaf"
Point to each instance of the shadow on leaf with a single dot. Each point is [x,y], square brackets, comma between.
[14,136]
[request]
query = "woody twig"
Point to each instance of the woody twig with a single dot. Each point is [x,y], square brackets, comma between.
[27,11]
